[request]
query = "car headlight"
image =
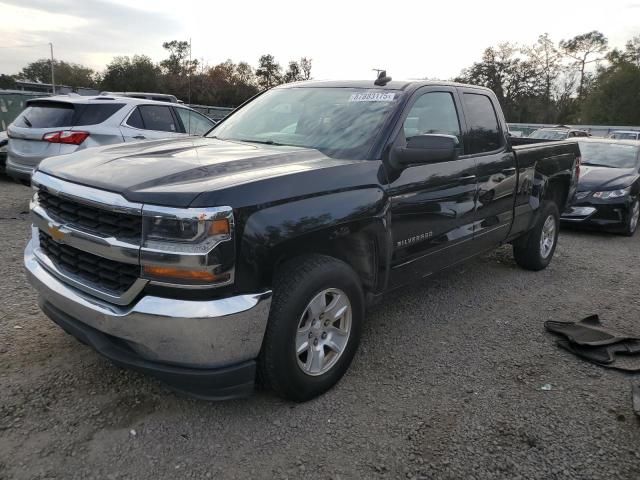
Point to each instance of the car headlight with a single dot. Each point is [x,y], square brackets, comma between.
[191,231]
[612,193]
[182,246]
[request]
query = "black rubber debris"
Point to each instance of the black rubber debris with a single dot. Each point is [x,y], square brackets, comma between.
[590,340]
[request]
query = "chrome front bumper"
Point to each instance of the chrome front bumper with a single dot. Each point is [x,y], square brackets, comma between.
[198,334]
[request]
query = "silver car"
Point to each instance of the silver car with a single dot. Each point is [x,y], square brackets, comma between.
[67,123]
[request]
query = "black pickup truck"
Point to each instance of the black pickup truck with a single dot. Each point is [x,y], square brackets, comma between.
[251,254]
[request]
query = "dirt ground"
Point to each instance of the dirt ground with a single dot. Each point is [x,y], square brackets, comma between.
[447,384]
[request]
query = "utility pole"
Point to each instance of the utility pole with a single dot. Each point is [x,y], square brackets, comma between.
[53,78]
[190,67]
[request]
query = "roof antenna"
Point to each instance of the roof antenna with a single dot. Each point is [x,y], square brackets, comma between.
[382,79]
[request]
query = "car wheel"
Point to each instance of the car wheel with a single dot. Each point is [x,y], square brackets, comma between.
[632,221]
[535,250]
[313,329]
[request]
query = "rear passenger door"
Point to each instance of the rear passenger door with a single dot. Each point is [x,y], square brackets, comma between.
[147,122]
[485,140]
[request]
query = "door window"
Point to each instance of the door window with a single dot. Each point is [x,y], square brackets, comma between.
[433,112]
[484,130]
[194,123]
[158,118]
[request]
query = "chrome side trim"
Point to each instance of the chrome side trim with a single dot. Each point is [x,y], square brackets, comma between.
[106,247]
[190,333]
[110,201]
[79,283]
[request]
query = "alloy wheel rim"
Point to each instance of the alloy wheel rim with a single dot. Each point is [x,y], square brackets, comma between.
[323,331]
[548,237]
[635,215]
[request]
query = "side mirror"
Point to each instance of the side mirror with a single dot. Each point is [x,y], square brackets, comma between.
[430,148]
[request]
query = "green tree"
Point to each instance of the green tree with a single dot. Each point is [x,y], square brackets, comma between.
[305,67]
[614,98]
[585,49]
[66,73]
[269,72]
[178,62]
[293,73]
[514,80]
[7,81]
[547,61]
[131,74]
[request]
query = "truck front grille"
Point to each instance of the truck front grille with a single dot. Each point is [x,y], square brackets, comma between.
[96,271]
[90,218]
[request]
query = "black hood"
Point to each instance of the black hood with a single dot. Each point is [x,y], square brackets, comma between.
[594,178]
[175,172]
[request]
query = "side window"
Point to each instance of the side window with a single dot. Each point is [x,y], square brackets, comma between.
[433,112]
[157,118]
[135,119]
[484,131]
[194,123]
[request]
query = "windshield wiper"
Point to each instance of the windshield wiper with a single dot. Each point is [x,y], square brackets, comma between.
[264,142]
[26,120]
[596,164]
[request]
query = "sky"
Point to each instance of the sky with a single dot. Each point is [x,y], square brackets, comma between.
[346,39]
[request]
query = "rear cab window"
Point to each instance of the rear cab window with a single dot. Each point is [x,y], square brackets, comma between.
[482,123]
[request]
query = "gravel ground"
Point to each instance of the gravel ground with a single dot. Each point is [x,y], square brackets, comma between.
[447,384]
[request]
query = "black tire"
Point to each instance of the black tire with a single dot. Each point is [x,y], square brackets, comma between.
[296,284]
[631,225]
[527,250]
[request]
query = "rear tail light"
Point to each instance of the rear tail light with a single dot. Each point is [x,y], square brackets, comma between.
[66,136]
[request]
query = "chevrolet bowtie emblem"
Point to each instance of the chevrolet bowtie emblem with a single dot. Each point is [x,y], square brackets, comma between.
[55,233]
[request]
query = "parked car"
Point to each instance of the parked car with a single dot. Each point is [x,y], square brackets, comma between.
[557,133]
[4,139]
[607,194]
[259,246]
[624,135]
[64,124]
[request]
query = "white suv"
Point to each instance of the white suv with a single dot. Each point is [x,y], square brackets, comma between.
[66,123]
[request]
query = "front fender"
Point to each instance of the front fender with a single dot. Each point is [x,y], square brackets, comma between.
[350,225]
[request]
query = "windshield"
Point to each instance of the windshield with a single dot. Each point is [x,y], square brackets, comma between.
[612,155]
[340,122]
[549,134]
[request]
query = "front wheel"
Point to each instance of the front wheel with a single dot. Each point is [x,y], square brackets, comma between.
[535,250]
[314,327]
[632,220]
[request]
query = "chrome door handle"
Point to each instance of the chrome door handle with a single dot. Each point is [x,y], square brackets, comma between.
[467,178]
[509,171]
[140,137]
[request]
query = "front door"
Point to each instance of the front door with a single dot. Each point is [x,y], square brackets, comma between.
[432,205]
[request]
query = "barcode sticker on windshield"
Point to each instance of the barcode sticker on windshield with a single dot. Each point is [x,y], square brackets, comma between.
[372,97]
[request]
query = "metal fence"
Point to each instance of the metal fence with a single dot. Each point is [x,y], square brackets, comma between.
[596,130]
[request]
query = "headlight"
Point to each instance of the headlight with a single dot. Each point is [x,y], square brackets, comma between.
[190,231]
[188,246]
[612,193]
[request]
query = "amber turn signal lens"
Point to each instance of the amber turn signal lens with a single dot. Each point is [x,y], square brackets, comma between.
[170,273]
[220,227]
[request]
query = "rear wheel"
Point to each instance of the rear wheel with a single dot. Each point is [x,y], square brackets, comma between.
[314,327]
[632,221]
[535,250]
